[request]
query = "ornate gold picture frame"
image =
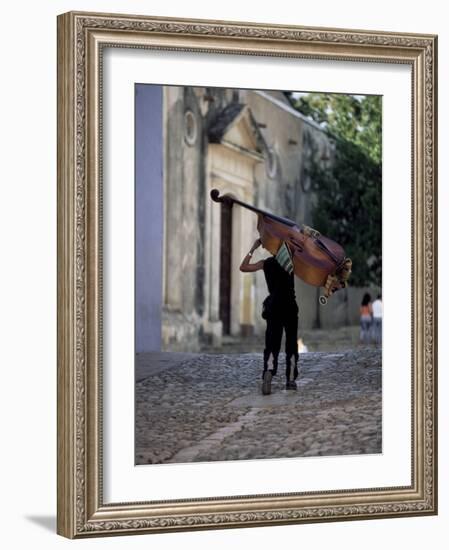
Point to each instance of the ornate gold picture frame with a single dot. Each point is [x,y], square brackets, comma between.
[82,510]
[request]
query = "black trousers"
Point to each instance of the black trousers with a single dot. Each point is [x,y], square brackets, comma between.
[286,320]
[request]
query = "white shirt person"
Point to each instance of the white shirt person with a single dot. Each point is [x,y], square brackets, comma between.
[377,308]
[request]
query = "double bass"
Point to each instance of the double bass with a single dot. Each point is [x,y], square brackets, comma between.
[315,259]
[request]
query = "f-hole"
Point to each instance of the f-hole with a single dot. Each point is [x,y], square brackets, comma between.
[225,266]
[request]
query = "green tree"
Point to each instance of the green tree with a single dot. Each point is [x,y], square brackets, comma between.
[349,190]
[357,119]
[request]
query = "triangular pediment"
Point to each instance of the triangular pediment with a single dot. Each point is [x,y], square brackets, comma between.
[242,132]
[236,126]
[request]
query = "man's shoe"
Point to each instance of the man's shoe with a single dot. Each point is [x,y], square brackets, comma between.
[266,385]
[291,385]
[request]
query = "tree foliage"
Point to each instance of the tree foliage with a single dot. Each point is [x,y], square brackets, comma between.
[349,189]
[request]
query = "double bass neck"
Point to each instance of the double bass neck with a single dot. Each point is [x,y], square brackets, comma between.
[230,199]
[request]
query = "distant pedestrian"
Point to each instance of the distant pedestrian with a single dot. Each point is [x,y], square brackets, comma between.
[280,311]
[377,320]
[302,348]
[366,313]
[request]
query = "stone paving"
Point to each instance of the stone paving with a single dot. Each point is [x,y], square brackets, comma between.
[208,407]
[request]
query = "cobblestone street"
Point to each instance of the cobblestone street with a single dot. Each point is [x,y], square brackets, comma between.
[206,407]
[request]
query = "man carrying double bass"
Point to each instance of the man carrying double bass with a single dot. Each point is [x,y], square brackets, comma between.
[280,311]
[300,251]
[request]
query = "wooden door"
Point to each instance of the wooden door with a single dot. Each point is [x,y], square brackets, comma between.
[225,267]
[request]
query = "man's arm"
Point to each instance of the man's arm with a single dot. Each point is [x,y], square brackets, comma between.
[246,266]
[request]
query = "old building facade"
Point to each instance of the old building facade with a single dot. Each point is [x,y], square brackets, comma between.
[252,144]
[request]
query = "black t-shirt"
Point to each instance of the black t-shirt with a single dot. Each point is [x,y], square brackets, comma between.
[280,284]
